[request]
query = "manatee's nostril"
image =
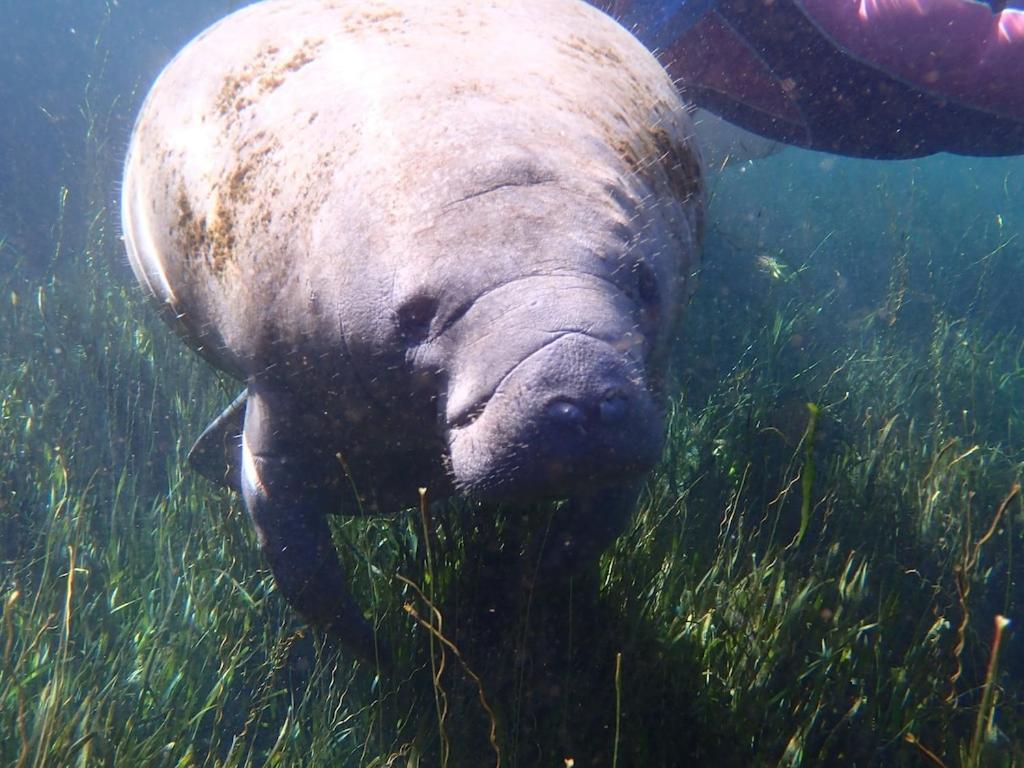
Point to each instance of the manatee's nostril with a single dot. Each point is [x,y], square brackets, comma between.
[566,412]
[614,406]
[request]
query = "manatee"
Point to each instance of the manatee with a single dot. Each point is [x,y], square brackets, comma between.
[443,244]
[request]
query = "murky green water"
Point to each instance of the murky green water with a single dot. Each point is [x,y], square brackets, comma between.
[748,616]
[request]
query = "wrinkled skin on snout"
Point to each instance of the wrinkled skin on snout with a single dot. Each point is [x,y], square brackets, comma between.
[443,245]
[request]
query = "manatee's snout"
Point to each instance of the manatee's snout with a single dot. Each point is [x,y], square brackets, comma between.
[573,415]
[592,438]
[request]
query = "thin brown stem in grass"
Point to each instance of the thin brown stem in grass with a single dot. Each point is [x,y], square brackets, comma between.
[963,589]
[436,664]
[928,754]
[9,627]
[983,721]
[962,579]
[429,626]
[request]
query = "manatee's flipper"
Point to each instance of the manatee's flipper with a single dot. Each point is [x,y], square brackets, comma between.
[583,528]
[289,488]
[217,454]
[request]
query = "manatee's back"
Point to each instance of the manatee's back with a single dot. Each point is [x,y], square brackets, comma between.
[235,145]
[299,140]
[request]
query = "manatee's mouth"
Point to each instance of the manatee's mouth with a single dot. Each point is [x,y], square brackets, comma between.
[574,413]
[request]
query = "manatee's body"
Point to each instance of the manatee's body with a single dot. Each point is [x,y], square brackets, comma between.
[443,243]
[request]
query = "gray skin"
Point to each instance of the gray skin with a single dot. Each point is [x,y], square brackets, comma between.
[443,244]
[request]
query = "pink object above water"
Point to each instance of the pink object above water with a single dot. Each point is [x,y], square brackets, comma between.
[870,78]
[951,48]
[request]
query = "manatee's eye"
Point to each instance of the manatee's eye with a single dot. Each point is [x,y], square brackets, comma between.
[646,283]
[414,318]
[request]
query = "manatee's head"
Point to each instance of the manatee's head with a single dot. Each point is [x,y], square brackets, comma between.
[571,407]
[529,243]
[553,355]
[529,322]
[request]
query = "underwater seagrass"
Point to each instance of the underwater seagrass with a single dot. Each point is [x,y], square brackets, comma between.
[443,245]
